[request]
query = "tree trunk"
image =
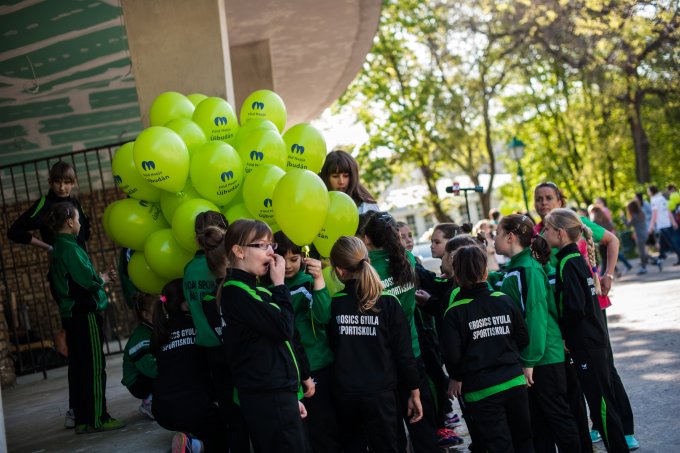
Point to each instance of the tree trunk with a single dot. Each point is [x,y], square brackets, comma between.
[640,139]
[434,200]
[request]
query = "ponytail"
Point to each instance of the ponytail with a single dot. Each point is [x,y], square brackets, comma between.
[592,262]
[349,254]
[381,229]
[168,306]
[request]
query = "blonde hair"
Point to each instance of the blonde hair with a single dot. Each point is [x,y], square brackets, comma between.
[349,254]
[567,220]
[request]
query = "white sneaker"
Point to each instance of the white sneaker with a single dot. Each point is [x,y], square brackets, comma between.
[145,408]
[70,419]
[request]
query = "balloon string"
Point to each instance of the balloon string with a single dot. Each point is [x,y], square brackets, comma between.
[180,194]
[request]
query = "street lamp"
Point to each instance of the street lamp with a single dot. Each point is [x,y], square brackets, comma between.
[517,148]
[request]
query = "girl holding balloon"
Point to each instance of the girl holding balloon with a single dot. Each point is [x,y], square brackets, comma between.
[340,172]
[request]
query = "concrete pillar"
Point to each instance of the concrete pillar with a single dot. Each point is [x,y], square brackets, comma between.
[178,45]
[253,65]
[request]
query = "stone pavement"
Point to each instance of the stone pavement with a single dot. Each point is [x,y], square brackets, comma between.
[644,323]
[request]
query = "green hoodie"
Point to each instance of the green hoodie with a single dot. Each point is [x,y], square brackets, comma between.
[137,357]
[312,314]
[199,282]
[406,294]
[527,284]
[75,284]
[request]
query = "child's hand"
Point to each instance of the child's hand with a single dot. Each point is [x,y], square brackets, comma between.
[455,388]
[415,407]
[277,269]
[303,409]
[314,269]
[529,376]
[422,296]
[310,387]
[110,276]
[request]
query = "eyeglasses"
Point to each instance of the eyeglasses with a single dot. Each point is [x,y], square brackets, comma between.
[264,245]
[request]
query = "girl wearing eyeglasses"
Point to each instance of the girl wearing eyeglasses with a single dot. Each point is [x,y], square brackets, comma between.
[258,339]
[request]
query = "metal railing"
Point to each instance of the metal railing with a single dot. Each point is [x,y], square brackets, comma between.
[31,313]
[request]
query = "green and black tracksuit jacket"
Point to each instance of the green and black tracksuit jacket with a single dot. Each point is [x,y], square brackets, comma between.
[406,294]
[312,309]
[199,282]
[482,334]
[526,283]
[258,335]
[34,219]
[137,357]
[76,286]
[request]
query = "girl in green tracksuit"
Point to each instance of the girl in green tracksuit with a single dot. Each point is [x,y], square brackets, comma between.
[542,359]
[312,308]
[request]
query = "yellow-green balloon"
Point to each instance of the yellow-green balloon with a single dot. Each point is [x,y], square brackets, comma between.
[266,105]
[300,205]
[128,179]
[333,284]
[132,221]
[196,98]
[143,277]
[250,126]
[165,256]
[262,146]
[306,147]
[216,172]
[184,220]
[169,106]
[162,158]
[191,133]
[217,119]
[235,212]
[171,201]
[105,221]
[342,220]
[258,191]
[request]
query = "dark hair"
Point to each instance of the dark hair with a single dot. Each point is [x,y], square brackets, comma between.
[286,245]
[522,227]
[653,189]
[349,254]
[634,208]
[558,193]
[671,187]
[494,214]
[168,308]
[363,221]
[62,171]
[242,232]
[342,162]
[59,214]
[381,229]
[640,196]
[144,302]
[463,240]
[210,228]
[450,230]
[469,265]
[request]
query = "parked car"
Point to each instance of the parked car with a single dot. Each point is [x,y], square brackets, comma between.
[424,252]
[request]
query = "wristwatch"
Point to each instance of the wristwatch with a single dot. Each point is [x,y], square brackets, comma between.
[611,276]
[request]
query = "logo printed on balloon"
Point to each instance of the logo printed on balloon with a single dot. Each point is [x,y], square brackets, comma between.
[297,148]
[268,203]
[118,180]
[257,105]
[221,121]
[148,165]
[143,203]
[256,155]
[226,175]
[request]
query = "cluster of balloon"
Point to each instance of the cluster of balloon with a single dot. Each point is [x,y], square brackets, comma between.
[196,157]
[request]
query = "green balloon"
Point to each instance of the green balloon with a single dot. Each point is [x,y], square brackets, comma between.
[196,98]
[169,106]
[162,158]
[300,205]
[217,119]
[264,104]
[132,221]
[105,221]
[342,220]
[236,212]
[165,256]
[171,201]
[143,277]
[262,146]
[258,191]
[333,284]
[250,126]
[216,172]
[127,177]
[184,220]
[191,133]
[306,147]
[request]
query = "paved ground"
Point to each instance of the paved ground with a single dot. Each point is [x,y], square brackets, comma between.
[645,330]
